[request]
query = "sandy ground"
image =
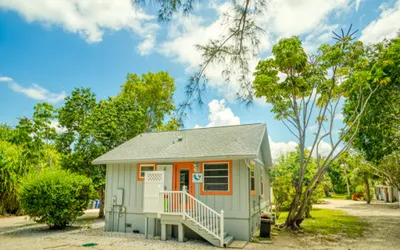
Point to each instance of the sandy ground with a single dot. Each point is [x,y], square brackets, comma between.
[383,233]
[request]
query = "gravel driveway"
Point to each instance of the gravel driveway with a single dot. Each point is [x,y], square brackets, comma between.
[383,233]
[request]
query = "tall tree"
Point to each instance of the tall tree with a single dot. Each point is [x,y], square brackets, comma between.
[93,128]
[77,143]
[360,171]
[284,177]
[153,92]
[310,94]
[42,116]
[12,167]
[378,134]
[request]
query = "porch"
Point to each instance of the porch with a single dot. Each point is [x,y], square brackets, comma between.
[180,208]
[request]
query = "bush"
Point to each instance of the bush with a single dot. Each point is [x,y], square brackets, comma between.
[358,196]
[56,198]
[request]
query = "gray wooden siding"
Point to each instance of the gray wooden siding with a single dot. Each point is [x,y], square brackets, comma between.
[125,176]
[240,206]
[235,205]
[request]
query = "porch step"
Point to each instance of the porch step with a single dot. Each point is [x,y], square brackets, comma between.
[228,240]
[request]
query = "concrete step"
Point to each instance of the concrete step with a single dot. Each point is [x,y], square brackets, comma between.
[228,240]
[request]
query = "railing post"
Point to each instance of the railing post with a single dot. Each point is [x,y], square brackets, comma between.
[222,228]
[184,200]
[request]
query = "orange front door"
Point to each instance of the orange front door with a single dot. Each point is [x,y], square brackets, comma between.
[183,172]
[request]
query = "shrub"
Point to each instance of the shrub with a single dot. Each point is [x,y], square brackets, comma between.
[56,198]
[12,168]
[358,196]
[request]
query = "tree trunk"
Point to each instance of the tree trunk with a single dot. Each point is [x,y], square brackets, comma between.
[101,198]
[366,188]
[347,181]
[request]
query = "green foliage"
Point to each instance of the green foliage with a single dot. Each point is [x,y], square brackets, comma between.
[42,117]
[153,93]
[77,108]
[378,134]
[6,132]
[283,178]
[335,173]
[115,121]
[78,144]
[24,150]
[90,129]
[12,168]
[309,93]
[93,128]
[170,7]
[332,222]
[55,198]
[390,169]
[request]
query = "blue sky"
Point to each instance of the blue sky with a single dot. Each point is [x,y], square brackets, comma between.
[47,48]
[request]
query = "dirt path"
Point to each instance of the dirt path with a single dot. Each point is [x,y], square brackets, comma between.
[383,231]
[383,218]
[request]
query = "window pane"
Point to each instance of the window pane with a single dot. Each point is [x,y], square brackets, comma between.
[216,187]
[144,168]
[216,172]
[216,177]
[183,178]
[216,166]
[252,176]
[147,168]
[217,180]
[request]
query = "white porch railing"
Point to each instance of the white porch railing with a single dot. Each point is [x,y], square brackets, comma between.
[182,203]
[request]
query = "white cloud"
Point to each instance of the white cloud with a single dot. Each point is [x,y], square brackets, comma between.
[339,116]
[281,148]
[313,128]
[358,2]
[289,18]
[5,79]
[220,115]
[385,26]
[324,149]
[90,19]
[55,124]
[284,18]
[38,93]
[321,34]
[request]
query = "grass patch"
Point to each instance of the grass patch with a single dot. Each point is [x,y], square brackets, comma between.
[331,222]
[336,197]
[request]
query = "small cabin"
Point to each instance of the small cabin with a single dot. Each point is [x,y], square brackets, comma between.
[207,182]
[386,193]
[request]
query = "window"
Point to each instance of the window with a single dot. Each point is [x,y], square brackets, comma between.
[252,178]
[217,178]
[144,167]
[262,182]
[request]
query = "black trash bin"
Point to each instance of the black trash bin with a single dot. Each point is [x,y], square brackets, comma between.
[265,228]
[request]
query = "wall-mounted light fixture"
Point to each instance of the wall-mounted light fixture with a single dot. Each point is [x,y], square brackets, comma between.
[195,166]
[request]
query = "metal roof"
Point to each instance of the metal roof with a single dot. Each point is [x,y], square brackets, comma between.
[240,141]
